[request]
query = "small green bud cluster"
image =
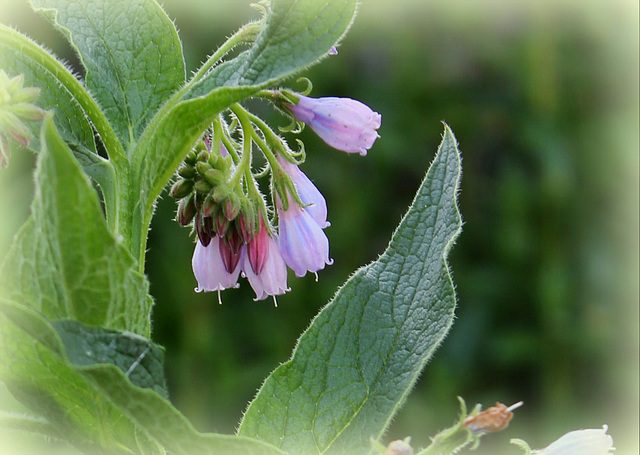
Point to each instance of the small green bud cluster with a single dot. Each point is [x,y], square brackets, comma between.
[211,199]
[16,105]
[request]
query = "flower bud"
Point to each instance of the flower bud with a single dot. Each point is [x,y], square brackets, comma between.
[202,187]
[215,177]
[222,224]
[230,248]
[202,167]
[232,207]
[203,233]
[186,210]
[258,249]
[181,188]
[209,206]
[187,172]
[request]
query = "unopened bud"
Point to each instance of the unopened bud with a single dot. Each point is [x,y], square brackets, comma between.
[202,167]
[204,236]
[209,206]
[182,188]
[258,249]
[191,158]
[399,447]
[220,193]
[187,172]
[229,254]
[245,226]
[202,186]
[186,210]
[222,225]
[214,177]
[492,419]
[232,207]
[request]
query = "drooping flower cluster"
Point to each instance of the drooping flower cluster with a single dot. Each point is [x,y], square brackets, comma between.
[239,232]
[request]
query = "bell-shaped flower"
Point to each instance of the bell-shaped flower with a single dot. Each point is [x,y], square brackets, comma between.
[271,279]
[343,123]
[580,442]
[314,201]
[303,244]
[209,268]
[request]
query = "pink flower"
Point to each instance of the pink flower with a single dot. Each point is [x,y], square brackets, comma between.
[303,244]
[272,277]
[209,268]
[316,205]
[343,123]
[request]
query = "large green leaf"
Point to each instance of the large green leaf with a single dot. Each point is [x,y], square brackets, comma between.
[355,365]
[296,34]
[64,261]
[95,406]
[131,52]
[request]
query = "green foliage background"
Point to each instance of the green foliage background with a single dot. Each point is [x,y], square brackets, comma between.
[543,98]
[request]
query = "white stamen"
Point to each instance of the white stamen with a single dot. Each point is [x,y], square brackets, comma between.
[515,406]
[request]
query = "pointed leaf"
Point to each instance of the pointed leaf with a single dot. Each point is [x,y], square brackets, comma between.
[355,365]
[33,369]
[97,407]
[131,52]
[297,33]
[140,360]
[65,262]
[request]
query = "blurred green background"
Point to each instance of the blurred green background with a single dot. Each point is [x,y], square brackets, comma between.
[543,98]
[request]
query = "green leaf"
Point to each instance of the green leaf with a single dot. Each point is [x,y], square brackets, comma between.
[297,33]
[34,370]
[131,52]
[140,360]
[96,407]
[28,424]
[74,108]
[355,365]
[64,261]
[164,424]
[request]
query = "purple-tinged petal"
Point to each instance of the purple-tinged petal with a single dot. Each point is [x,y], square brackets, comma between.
[258,249]
[303,244]
[272,280]
[343,123]
[316,206]
[209,269]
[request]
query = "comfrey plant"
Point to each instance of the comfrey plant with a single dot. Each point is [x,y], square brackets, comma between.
[75,313]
